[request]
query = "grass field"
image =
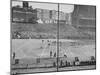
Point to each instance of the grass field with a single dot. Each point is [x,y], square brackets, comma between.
[35,48]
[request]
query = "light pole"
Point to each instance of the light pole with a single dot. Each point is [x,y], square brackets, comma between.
[58,40]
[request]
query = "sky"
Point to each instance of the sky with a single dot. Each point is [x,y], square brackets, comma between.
[67,8]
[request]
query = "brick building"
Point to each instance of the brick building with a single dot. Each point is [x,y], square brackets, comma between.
[23,14]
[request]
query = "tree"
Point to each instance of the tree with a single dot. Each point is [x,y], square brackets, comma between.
[33,19]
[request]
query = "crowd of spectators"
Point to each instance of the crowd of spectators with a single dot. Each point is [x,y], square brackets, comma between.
[31,35]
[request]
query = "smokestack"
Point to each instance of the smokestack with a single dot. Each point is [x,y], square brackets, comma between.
[25,4]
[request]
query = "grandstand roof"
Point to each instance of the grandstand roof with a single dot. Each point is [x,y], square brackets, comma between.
[23,9]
